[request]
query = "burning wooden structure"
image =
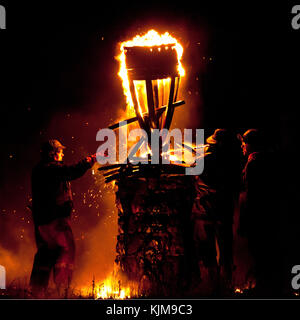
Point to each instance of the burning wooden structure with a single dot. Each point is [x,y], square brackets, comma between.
[154,201]
[147,68]
[154,239]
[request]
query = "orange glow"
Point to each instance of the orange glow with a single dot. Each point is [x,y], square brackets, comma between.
[151,38]
[140,89]
[111,288]
[247,286]
[238,290]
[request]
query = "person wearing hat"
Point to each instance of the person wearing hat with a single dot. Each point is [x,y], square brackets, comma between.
[52,205]
[217,189]
[253,141]
[259,220]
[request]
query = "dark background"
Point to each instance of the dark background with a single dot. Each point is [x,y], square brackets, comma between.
[58,78]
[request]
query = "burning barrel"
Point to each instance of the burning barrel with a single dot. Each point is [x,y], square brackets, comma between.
[150,69]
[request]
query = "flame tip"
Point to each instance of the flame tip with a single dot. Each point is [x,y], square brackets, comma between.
[148,39]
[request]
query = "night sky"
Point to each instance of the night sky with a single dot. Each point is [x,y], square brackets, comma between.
[58,79]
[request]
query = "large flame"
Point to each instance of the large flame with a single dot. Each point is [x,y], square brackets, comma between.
[111,288]
[151,38]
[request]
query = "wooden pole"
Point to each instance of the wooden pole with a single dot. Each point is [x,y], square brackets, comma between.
[170,108]
[150,102]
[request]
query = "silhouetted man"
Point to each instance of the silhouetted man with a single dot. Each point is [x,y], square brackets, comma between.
[217,191]
[260,211]
[52,205]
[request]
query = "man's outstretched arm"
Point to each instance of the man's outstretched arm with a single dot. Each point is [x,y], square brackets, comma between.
[72,172]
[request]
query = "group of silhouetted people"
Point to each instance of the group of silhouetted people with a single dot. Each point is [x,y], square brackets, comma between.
[240,178]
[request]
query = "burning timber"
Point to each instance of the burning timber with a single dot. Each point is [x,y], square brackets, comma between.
[154,239]
[154,201]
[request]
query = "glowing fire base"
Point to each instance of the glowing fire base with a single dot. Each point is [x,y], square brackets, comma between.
[153,247]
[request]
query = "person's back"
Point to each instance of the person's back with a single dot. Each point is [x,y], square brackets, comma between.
[217,189]
[222,170]
[261,186]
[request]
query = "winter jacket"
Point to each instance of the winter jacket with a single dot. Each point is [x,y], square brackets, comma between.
[51,189]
